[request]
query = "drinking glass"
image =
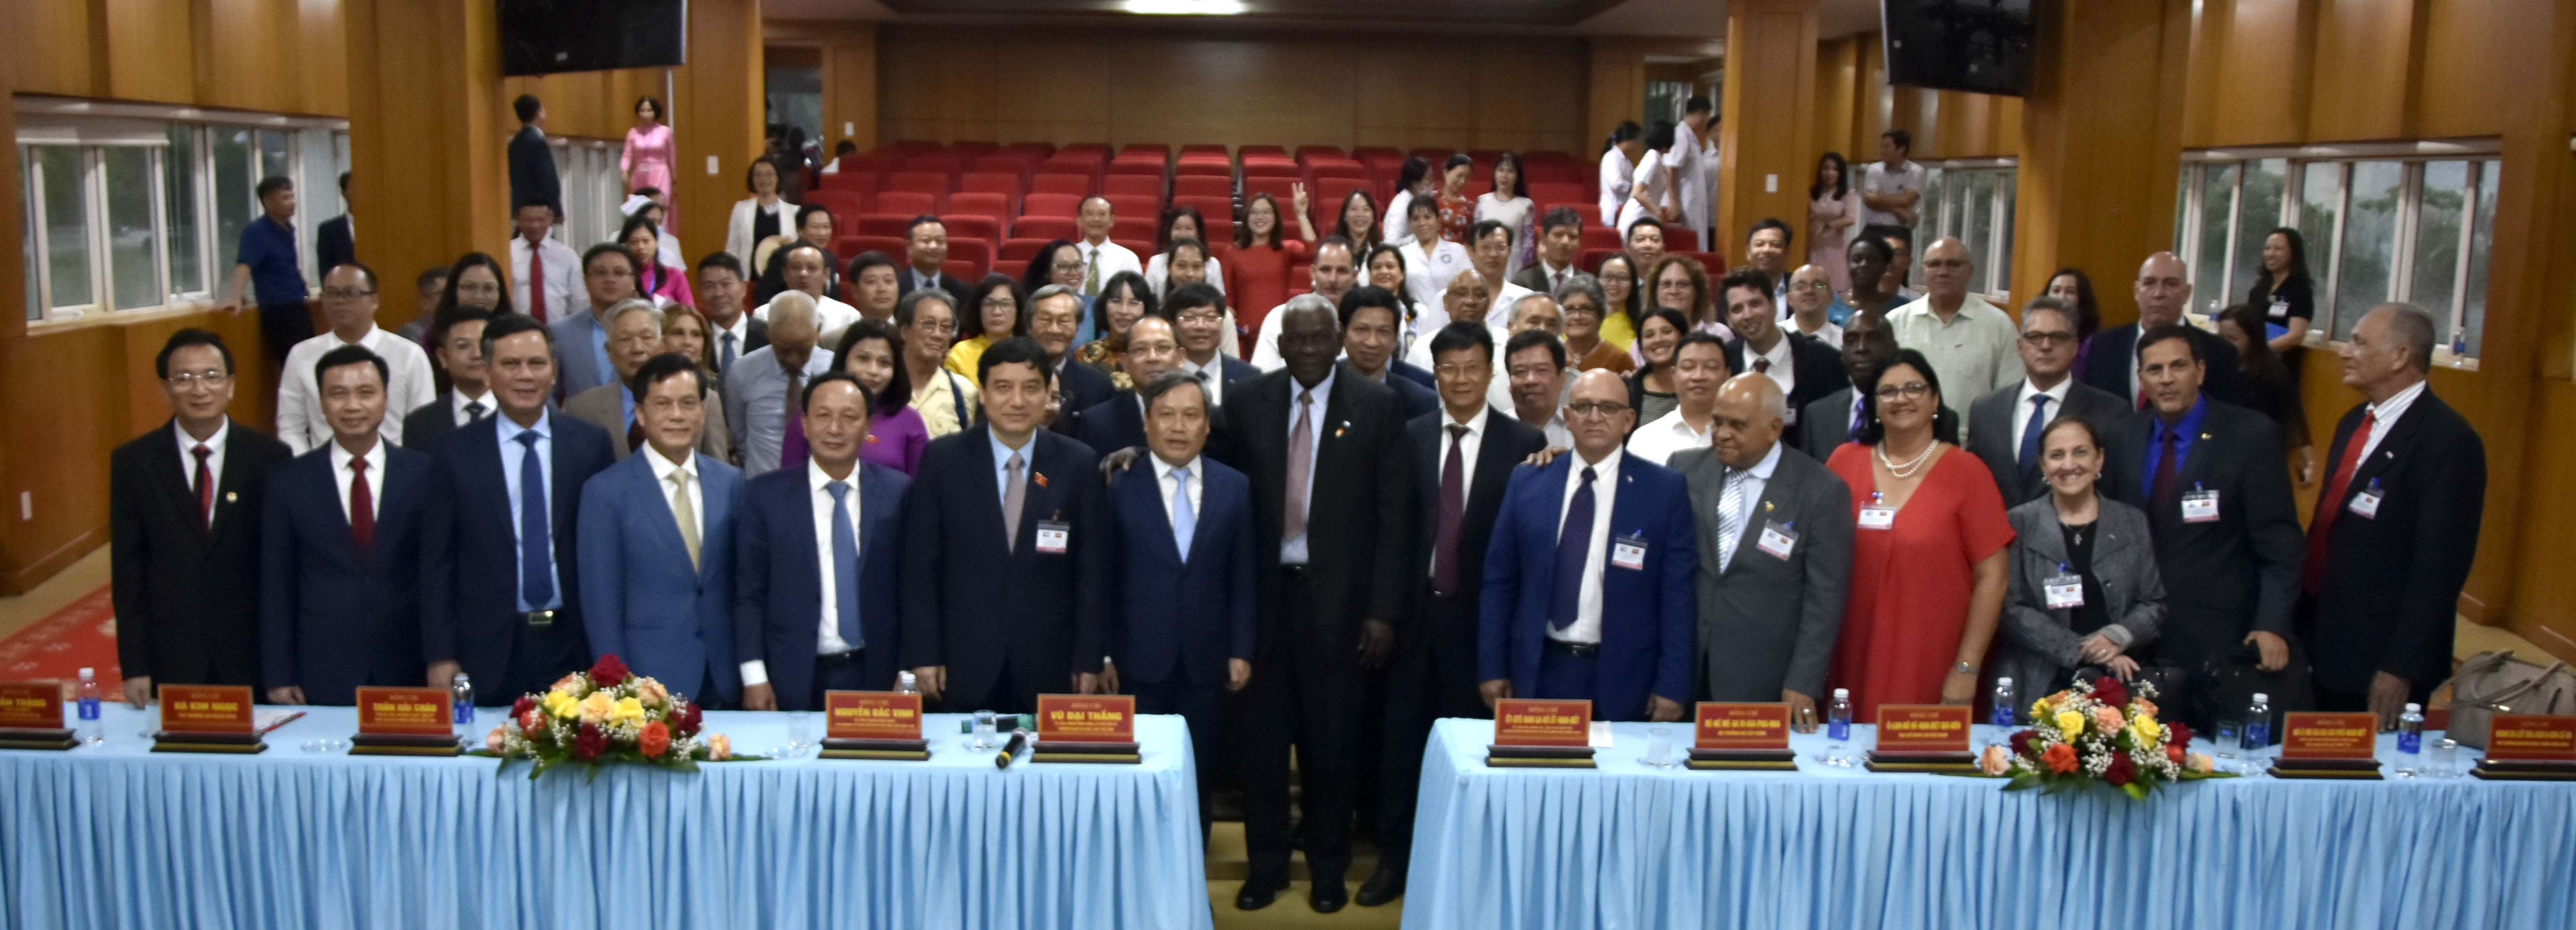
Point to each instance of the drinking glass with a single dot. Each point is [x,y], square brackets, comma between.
[984,733]
[1659,747]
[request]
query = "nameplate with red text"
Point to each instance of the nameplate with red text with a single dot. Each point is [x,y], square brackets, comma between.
[1743,727]
[2318,735]
[206,709]
[2532,738]
[1917,729]
[405,712]
[31,706]
[1086,718]
[871,715]
[1533,722]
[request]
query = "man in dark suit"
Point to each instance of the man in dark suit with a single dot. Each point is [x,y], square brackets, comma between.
[1836,418]
[340,551]
[2163,292]
[635,337]
[2217,496]
[1775,549]
[657,544]
[183,513]
[1170,582]
[925,249]
[1055,315]
[532,160]
[992,538]
[1560,241]
[1198,321]
[1119,422]
[1329,473]
[1372,325]
[807,620]
[456,344]
[2393,540]
[334,244]
[2004,426]
[1462,458]
[497,599]
[1805,369]
[733,332]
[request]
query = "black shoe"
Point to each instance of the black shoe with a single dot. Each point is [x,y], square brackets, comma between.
[1258,891]
[1387,884]
[1328,895]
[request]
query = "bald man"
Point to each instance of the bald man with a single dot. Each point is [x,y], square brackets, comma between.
[1812,308]
[1970,343]
[1775,546]
[765,386]
[2163,292]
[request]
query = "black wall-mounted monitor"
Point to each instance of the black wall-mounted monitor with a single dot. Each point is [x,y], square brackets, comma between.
[1979,46]
[555,36]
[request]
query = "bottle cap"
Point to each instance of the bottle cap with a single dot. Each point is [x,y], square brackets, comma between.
[88,673]
[2004,682]
[2414,708]
[462,678]
[2261,698]
[1842,693]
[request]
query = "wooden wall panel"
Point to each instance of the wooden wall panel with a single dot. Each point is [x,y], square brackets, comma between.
[51,46]
[2477,62]
[2259,55]
[2544,594]
[716,114]
[2096,180]
[151,52]
[1837,96]
[2364,59]
[846,51]
[1770,108]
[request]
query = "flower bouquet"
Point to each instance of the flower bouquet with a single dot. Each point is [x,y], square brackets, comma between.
[607,714]
[2097,732]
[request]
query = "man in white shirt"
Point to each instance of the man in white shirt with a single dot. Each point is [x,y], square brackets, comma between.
[1334,272]
[1430,261]
[1688,162]
[1699,367]
[1972,344]
[1891,187]
[805,271]
[349,303]
[1491,254]
[824,621]
[545,275]
[1101,258]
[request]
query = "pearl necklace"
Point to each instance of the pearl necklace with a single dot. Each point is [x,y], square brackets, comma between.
[1907,470]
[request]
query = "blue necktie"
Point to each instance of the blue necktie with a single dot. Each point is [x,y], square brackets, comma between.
[845,565]
[726,361]
[1573,548]
[536,545]
[1184,519]
[2030,438]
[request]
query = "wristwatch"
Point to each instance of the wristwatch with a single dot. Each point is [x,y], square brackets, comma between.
[1964,668]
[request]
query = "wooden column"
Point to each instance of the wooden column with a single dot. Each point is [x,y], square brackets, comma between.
[2099,156]
[716,114]
[429,173]
[1765,155]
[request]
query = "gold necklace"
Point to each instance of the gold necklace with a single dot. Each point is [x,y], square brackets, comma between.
[1907,470]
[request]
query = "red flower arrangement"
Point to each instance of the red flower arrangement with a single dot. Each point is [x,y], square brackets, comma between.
[606,714]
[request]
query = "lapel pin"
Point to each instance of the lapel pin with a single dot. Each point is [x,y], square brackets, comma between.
[1041,480]
[231,496]
[1766,507]
[2204,435]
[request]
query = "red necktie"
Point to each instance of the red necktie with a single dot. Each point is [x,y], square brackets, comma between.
[362,506]
[205,487]
[1761,366]
[1453,509]
[2331,502]
[537,281]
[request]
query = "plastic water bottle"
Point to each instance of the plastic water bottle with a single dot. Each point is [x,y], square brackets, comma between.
[2258,724]
[91,731]
[1838,727]
[2007,706]
[2410,741]
[906,683]
[461,693]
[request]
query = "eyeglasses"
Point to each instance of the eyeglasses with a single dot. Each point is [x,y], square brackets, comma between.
[1202,316]
[1825,286]
[2044,339]
[345,293]
[934,326]
[1067,266]
[1602,409]
[1911,390]
[187,379]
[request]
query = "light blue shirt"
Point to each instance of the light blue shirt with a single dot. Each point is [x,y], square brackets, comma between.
[599,353]
[1002,463]
[512,458]
[1292,550]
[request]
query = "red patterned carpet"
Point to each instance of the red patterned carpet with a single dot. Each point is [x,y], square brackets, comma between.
[81,635]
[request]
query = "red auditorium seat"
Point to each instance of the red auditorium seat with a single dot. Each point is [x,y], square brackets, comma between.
[944,165]
[1677,239]
[1064,205]
[1715,262]
[848,179]
[1220,233]
[843,204]
[885,224]
[1597,236]
[1214,208]
[975,254]
[1327,196]
[1309,153]
[992,206]
[1134,227]
[1124,166]
[1337,168]
[1020,250]
[1204,168]
[908,203]
[892,246]
[1143,247]
[1279,187]
[1085,149]
[1203,148]
[1156,149]
[1279,150]
[1015,164]
[1014,269]
[1044,227]
[1200,185]
[1591,260]
[1129,205]
[1132,185]
[1006,184]
[925,182]
[978,227]
[1557,192]
[1077,185]
[1270,169]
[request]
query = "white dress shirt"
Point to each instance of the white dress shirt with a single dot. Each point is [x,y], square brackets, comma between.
[829,315]
[1195,487]
[1555,276]
[564,290]
[1783,369]
[1158,271]
[827,637]
[1211,377]
[1396,228]
[2022,409]
[374,477]
[1658,441]
[457,402]
[301,423]
[662,470]
[1752,481]
[1586,627]
[2385,414]
[741,330]
[1427,273]
[214,459]
[1113,259]
[1468,445]
[1499,315]
[1292,551]
[513,456]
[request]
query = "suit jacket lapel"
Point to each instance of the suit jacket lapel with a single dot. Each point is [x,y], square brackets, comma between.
[2051,546]
[1493,463]
[648,489]
[716,513]
[988,495]
[2400,435]
[171,475]
[1782,486]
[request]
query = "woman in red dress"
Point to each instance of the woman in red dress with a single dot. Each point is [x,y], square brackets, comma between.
[1928,557]
[1256,272]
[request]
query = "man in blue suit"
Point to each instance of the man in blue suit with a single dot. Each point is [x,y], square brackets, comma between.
[1588,579]
[814,604]
[501,587]
[992,541]
[1119,422]
[340,550]
[657,540]
[582,359]
[1170,583]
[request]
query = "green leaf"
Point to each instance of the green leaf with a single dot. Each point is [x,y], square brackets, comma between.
[2135,790]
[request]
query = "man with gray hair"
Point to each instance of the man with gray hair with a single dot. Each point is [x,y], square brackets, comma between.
[634,335]
[766,385]
[2396,529]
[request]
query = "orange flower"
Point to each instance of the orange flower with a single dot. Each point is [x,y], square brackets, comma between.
[1996,761]
[2059,757]
[2173,753]
[654,740]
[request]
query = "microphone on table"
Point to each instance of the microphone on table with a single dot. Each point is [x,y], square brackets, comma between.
[1010,750]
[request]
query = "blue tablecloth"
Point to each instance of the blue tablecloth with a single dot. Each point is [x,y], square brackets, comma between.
[115,836]
[1633,846]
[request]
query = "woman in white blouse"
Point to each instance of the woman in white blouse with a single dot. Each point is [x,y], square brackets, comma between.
[1509,204]
[1618,166]
[1181,221]
[1652,191]
[1415,181]
[759,216]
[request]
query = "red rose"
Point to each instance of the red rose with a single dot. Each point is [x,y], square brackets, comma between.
[654,740]
[609,672]
[684,721]
[2060,758]
[2181,734]
[2121,771]
[2107,690]
[2173,753]
[590,743]
[530,721]
[2021,742]
[522,706]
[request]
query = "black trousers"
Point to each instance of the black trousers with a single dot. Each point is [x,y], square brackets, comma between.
[1305,697]
[839,676]
[281,326]
[1010,694]
[539,655]
[1433,675]
[1202,707]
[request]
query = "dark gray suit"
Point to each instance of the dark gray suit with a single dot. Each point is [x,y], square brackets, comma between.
[1825,423]
[1992,437]
[2035,645]
[1768,623]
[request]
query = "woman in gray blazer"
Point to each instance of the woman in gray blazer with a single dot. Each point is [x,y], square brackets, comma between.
[2085,591]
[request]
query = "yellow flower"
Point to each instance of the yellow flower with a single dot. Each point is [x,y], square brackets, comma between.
[2039,709]
[652,692]
[719,747]
[597,707]
[629,712]
[2070,723]
[567,685]
[561,705]
[2199,762]
[2145,730]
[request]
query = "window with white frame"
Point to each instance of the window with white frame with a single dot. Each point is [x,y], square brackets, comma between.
[1972,200]
[2407,222]
[592,191]
[133,207]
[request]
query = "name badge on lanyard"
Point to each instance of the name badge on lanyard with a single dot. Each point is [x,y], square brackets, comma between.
[1778,538]
[1054,536]
[2280,308]
[1877,516]
[1629,552]
[2199,506]
[2366,503]
[2065,589]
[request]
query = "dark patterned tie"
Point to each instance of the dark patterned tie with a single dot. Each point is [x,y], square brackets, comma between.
[1573,548]
[1453,507]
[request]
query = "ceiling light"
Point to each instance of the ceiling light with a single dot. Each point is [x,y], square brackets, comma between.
[1185,7]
